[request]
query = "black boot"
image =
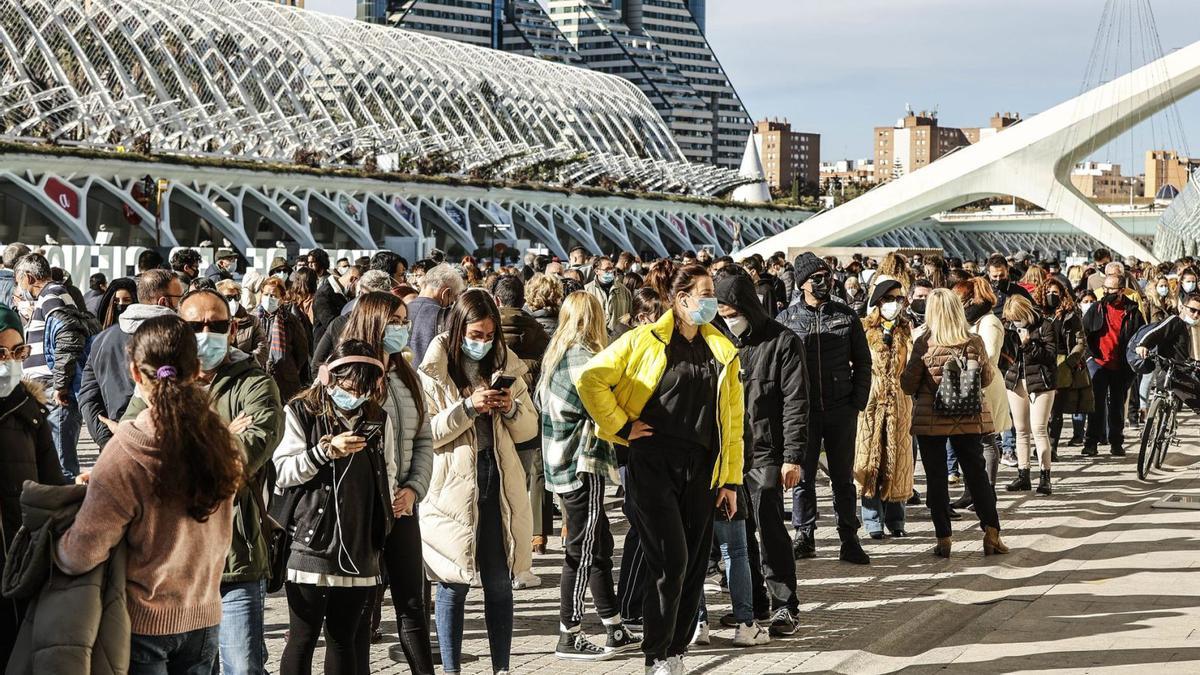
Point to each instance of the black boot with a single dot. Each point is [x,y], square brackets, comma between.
[804,545]
[1043,487]
[964,501]
[852,552]
[1021,482]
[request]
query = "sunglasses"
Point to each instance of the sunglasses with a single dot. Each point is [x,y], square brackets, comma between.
[16,353]
[221,327]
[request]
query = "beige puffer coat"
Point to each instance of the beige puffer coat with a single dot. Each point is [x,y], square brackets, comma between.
[449,512]
[992,331]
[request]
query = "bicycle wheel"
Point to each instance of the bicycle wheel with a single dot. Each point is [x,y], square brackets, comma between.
[1172,425]
[1150,432]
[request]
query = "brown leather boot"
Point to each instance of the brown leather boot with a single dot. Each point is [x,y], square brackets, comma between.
[991,542]
[539,544]
[942,550]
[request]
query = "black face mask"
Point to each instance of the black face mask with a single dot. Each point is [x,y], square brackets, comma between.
[1053,301]
[976,311]
[118,310]
[918,307]
[1002,285]
[820,287]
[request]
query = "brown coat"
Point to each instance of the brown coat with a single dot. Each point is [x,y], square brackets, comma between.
[883,458]
[922,377]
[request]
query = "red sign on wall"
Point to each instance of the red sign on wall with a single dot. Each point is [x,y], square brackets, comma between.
[64,195]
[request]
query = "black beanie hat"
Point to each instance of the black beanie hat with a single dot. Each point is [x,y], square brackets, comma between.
[806,265]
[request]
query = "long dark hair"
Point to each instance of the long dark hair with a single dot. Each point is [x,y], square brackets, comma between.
[364,377]
[473,305]
[304,285]
[203,464]
[107,311]
[367,322]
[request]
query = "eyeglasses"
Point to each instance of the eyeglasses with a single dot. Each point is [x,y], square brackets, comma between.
[1192,310]
[197,327]
[16,353]
[231,298]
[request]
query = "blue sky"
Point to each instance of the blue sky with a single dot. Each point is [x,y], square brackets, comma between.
[842,67]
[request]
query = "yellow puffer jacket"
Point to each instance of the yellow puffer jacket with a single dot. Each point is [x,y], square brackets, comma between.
[616,384]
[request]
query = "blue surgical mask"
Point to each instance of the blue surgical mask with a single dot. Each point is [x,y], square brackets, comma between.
[10,376]
[705,313]
[395,339]
[270,304]
[345,400]
[606,278]
[476,350]
[211,348]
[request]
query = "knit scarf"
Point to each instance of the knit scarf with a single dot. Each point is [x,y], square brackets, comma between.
[279,336]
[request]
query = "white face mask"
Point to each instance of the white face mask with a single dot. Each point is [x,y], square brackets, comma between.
[890,310]
[234,306]
[738,325]
[1085,306]
[1188,318]
[10,376]
[1163,291]
[270,303]
[1189,286]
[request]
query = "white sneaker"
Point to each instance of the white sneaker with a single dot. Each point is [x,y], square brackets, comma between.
[526,579]
[675,663]
[660,667]
[750,635]
[700,637]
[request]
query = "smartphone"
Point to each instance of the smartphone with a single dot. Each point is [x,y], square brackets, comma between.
[370,431]
[500,381]
[724,510]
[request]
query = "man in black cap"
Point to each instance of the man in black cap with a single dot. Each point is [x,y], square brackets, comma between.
[773,375]
[839,382]
[224,266]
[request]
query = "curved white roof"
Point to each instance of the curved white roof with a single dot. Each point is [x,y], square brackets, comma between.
[263,81]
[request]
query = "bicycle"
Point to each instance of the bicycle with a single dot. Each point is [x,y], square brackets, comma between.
[1162,423]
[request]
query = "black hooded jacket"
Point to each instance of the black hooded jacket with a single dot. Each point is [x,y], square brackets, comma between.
[773,375]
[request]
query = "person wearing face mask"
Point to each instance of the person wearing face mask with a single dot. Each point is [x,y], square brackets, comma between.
[440,287]
[335,475]
[285,352]
[224,266]
[1109,324]
[380,320]
[121,294]
[106,387]
[1002,286]
[918,295]
[1073,383]
[475,520]
[838,363]
[1177,337]
[611,292]
[1030,368]
[331,297]
[883,460]
[1161,300]
[28,454]
[248,333]
[248,400]
[775,382]
[671,392]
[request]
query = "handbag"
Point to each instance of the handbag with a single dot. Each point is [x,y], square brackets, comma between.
[279,544]
[960,392]
[1063,375]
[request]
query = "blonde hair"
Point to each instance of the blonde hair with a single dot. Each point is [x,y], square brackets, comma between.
[1017,308]
[945,319]
[544,292]
[228,286]
[580,322]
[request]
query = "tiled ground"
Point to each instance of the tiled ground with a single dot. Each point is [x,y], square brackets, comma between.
[1098,580]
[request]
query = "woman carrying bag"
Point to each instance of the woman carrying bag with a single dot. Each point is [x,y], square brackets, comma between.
[1030,375]
[1072,383]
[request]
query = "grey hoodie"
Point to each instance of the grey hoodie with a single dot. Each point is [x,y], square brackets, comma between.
[107,387]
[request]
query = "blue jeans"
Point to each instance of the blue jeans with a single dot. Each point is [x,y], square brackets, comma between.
[243,645]
[491,561]
[731,535]
[876,513]
[191,653]
[65,422]
[951,462]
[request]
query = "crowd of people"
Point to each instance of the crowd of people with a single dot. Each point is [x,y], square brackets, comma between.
[348,431]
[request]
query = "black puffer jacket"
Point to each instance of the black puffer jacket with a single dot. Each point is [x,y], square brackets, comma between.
[1095,325]
[26,453]
[1172,338]
[1036,360]
[836,352]
[773,376]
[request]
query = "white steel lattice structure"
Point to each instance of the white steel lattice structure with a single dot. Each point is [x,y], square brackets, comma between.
[1179,229]
[262,81]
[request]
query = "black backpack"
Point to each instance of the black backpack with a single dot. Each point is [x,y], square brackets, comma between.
[960,392]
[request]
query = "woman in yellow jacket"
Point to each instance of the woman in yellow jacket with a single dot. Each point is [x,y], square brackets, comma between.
[670,391]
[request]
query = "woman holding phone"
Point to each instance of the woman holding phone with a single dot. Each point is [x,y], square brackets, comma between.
[476,522]
[671,392]
[332,469]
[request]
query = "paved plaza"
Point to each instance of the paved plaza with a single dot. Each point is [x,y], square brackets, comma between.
[1098,581]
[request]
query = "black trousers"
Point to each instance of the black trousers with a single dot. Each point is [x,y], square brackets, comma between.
[969,450]
[631,584]
[835,429]
[1109,387]
[778,566]
[340,611]
[673,504]
[587,562]
[406,580]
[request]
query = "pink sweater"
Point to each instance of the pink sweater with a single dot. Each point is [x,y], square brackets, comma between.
[173,577]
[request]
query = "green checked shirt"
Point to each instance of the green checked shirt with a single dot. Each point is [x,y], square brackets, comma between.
[569,443]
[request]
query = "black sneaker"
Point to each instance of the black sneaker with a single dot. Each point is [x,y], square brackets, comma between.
[729,621]
[575,647]
[914,499]
[954,515]
[1089,450]
[804,545]
[620,639]
[1117,450]
[852,552]
[784,622]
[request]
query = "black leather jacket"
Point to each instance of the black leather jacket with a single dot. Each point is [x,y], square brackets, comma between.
[836,351]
